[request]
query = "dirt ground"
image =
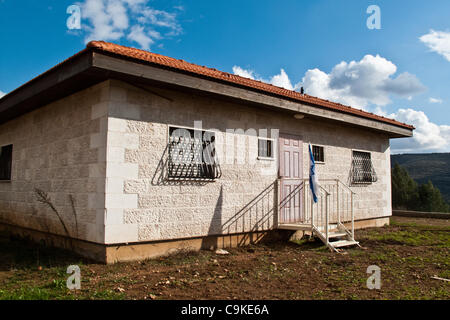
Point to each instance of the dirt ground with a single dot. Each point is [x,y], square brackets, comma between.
[409,253]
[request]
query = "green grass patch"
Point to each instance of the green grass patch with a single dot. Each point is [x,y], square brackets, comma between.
[414,236]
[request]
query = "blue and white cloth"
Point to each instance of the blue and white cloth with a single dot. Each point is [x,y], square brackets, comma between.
[313,180]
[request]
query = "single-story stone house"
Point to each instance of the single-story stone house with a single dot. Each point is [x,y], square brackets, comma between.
[123,154]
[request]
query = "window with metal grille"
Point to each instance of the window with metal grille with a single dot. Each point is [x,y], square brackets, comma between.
[362,168]
[265,148]
[318,153]
[5,162]
[192,154]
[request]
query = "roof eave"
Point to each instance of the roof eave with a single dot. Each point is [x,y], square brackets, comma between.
[91,66]
[188,81]
[69,76]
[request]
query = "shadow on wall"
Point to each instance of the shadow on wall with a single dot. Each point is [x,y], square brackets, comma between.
[256,216]
[161,175]
[216,221]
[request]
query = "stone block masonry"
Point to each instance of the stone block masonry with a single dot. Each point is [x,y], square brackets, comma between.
[106,148]
[151,208]
[61,150]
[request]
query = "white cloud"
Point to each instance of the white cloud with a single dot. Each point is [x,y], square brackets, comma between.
[360,83]
[135,5]
[116,9]
[428,136]
[102,22]
[162,19]
[138,35]
[435,100]
[438,41]
[2,94]
[279,80]
[380,111]
[244,73]
[134,20]
[282,80]
[371,80]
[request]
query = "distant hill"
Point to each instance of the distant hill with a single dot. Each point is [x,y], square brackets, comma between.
[427,166]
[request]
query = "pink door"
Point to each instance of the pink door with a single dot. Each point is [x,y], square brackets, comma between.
[291,174]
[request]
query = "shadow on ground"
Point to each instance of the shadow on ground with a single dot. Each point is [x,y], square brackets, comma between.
[16,253]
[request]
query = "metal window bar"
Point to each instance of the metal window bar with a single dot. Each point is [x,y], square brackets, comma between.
[318,153]
[362,168]
[192,158]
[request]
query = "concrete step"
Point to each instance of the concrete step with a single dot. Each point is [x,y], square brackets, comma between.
[294,226]
[330,227]
[343,243]
[337,234]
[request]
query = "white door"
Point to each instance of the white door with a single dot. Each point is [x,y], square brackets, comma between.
[291,174]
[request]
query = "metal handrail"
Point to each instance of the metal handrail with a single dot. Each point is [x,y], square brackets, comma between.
[322,188]
[340,218]
[340,182]
[291,194]
[282,202]
[343,207]
[345,186]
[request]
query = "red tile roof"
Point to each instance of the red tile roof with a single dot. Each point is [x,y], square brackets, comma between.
[182,65]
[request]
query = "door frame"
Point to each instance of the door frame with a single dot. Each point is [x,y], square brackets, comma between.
[297,216]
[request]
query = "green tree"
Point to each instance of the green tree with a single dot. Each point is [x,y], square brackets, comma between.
[431,199]
[405,193]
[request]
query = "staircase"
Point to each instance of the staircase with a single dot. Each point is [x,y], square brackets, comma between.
[331,219]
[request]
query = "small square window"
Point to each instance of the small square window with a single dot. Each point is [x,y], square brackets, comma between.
[318,153]
[265,148]
[5,162]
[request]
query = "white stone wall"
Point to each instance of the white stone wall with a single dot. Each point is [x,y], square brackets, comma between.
[142,206]
[61,150]
[105,148]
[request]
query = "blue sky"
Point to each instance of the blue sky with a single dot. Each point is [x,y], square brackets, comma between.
[400,70]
